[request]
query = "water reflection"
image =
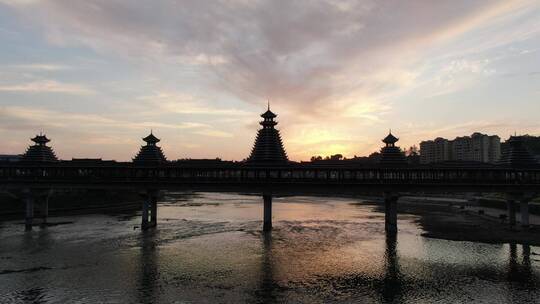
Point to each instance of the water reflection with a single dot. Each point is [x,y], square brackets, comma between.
[149,274]
[266,291]
[392,284]
[324,252]
[520,272]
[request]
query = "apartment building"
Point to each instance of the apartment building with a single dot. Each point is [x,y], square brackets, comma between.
[477,147]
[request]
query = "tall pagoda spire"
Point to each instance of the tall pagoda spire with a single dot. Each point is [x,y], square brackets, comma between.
[391,155]
[39,152]
[268,147]
[151,153]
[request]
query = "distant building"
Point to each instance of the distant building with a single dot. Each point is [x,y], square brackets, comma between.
[531,143]
[434,151]
[517,154]
[477,147]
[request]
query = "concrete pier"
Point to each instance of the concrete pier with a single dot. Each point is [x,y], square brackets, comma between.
[149,209]
[153,209]
[511,210]
[524,211]
[390,212]
[29,215]
[44,210]
[145,207]
[267,225]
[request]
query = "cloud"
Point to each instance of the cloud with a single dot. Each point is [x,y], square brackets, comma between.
[47,86]
[458,75]
[321,63]
[214,133]
[181,103]
[19,2]
[33,119]
[42,67]
[297,53]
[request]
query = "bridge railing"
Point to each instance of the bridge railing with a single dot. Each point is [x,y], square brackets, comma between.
[128,172]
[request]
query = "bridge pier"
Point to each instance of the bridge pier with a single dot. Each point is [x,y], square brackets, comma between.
[149,209]
[43,209]
[267,217]
[153,209]
[524,211]
[42,199]
[390,213]
[145,207]
[511,210]
[29,214]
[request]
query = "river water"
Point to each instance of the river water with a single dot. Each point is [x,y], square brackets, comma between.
[209,248]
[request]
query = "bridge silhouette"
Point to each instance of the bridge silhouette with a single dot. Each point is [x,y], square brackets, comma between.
[268,172]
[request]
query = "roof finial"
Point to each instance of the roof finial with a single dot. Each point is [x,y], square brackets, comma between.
[151,131]
[268,104]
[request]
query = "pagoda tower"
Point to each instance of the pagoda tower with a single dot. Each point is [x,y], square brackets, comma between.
[151,153]
[391,155]
[516,154]
[39,152]
[268,147]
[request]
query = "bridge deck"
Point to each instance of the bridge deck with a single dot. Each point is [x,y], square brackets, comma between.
[239,176]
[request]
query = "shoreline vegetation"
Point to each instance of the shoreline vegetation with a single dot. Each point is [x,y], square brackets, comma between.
[439,217]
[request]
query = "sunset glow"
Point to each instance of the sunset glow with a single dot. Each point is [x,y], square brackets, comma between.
[96,76]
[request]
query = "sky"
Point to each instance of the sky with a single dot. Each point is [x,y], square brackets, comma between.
[97,76]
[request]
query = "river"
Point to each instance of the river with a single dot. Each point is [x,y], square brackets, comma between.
[209,248]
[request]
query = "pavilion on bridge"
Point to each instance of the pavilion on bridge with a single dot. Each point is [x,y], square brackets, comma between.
[39,152]
[151,153]
[268,147]
[391,155]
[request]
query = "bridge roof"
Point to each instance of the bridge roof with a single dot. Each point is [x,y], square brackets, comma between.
[151,139]
[40,139]
[390,139]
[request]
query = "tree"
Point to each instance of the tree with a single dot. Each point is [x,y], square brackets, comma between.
[316,158]
[336,157]
[412,151]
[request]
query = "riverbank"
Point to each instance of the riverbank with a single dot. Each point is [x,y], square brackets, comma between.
[75,202]
[442,220]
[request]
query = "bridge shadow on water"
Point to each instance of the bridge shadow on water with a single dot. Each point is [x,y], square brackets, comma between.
[389,287]
[396,285]
[392,285]
[518,271]
[149,280]
[267,290]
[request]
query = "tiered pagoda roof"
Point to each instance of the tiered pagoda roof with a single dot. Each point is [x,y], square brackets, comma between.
[39,152]
[391,155]
[516,154]
[151,153]
[268,147]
